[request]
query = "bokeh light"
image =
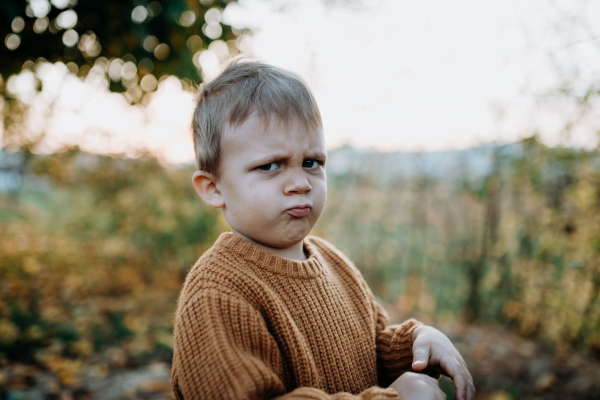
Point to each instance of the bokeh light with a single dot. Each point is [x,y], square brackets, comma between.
[245,43]
[114,69]
[39,8]
[53,26]
[209,64]
[128,70]
[134,94]
[161,52]
[154,9]
[150,43]
[220,49]
[196,58]
[148,83]
[187,18]
[17,24]
[89,45]
[212,29]
[70,38]
[233,15]
[212,15]
[67,19]
[12,41]
[139,14]
[60,4]
[73,68]
[194,43]
[23,85]
[40,25]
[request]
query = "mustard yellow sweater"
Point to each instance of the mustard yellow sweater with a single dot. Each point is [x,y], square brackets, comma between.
[251,325]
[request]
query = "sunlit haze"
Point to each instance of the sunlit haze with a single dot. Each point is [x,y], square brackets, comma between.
[388,74]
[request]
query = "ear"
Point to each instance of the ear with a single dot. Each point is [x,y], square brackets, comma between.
[206,187]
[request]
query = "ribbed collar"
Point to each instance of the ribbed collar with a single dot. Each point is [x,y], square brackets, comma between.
[310,268]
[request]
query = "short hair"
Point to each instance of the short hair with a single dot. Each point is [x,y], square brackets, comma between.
[243,89]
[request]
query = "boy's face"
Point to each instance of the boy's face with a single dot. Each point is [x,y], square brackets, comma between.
[272,181]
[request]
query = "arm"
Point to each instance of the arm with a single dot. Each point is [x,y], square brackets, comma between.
[410,386]
[394,346]
[395,353]
[223,349]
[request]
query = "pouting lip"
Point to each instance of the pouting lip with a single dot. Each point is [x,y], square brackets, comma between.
[304,205]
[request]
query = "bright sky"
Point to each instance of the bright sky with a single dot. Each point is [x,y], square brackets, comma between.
[389,74]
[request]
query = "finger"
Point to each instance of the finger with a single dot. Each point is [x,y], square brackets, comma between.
[461,388]
[462,362]
[456,372]
[470,385]
[464,374]
[470,391]
[421,354]
[469,379]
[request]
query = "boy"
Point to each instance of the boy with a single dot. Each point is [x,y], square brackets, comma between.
[269,311]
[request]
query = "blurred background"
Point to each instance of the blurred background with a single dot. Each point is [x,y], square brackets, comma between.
[464,178]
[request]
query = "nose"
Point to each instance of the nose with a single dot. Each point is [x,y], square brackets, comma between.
[297,183]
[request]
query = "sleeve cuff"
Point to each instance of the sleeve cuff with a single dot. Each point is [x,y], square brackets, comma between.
[402,343]
[397,357]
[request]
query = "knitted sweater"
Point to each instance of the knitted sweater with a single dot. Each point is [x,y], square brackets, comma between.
[251,325]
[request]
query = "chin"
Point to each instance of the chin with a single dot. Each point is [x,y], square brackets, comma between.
[291,238]
[283,240]
[279,237]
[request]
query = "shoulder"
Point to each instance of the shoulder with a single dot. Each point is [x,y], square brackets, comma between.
[341,266]
[333,255]
[322,245]
[219,272]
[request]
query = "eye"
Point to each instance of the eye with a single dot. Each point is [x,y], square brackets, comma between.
[269,167]
[310,164]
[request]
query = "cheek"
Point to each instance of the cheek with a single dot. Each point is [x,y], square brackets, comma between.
[320,192]
[252,200]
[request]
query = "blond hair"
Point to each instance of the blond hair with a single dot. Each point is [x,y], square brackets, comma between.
[244,89]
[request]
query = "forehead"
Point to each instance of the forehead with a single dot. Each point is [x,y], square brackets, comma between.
[257,135]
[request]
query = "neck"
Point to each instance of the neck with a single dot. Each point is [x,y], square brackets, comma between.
[294,252]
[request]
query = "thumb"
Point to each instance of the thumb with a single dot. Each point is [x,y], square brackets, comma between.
[420,357]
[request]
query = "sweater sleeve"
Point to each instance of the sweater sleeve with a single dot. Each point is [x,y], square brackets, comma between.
[394,346]
[224,350]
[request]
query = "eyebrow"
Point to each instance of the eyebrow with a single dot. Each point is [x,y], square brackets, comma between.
[270,158]
[317,155]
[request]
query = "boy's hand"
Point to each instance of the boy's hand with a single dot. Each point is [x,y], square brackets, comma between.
[432,347]
[413,386]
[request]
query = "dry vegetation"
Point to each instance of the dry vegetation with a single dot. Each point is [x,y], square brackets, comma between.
[94,251]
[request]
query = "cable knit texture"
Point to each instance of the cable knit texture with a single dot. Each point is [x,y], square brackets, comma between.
[251,325]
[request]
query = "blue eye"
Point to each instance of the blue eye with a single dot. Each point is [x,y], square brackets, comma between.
[269,167]
[310,164]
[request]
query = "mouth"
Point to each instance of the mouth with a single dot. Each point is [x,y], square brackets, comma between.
[300,210]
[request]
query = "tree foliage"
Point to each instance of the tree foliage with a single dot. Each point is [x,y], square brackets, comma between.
[519,246]
[158,36]
[94,256]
